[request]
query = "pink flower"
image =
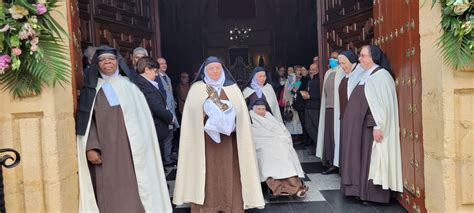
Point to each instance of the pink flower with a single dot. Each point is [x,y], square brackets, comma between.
[40,9]
[16,51]
[5,28]
[35,41]
[4,62]
[29,30]
[23,35]
[34,48]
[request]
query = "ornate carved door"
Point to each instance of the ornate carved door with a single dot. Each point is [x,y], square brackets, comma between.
[397,33]
[122,24]
[343,24]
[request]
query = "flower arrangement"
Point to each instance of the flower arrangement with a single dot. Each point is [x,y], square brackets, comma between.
[31,53]
[457,40]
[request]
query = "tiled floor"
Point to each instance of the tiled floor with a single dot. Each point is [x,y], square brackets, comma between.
[323,195]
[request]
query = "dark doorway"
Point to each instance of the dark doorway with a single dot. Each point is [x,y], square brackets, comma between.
[282,32]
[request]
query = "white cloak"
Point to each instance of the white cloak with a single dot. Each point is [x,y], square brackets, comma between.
[271,99]
[191,173]
[385,164]
[144,146]
[322,113]
[275,153]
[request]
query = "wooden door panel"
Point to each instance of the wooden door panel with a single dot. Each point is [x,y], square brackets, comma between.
[395,44]
[347,24]
[408,160]
[396,32]
[122,24]
[74,48]
[414,34]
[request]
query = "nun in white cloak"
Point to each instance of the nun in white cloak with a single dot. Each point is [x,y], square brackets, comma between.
[259,88]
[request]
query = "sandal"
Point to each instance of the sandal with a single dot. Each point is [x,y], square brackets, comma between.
[302,192]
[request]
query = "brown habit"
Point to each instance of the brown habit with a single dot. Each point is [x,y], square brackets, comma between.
[357,138]
[289,185]
[115,183]
[343,99]
[328,151]
[223,190]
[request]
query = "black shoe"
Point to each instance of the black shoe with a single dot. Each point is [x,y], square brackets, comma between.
[297,142]
[330,171]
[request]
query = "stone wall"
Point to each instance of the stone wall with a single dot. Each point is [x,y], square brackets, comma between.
[448,119]
[42,129]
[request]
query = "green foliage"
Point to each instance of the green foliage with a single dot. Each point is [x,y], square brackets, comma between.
[457,23]
[41,62]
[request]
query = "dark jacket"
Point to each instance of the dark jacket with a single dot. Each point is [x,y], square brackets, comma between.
[157,103]
[314,89]
[299,103]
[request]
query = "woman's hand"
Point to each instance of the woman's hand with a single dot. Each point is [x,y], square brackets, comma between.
[378,137]
[94,157]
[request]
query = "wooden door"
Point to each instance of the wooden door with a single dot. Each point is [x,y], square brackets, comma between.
[397,33]
[122,24]
[342,25]
[74,48]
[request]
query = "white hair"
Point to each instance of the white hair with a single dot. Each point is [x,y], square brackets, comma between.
[140,50]
[89,52]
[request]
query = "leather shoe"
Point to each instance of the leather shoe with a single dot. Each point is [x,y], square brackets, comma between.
[330,171]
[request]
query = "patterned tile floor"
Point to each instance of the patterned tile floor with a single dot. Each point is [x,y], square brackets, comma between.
[323,195]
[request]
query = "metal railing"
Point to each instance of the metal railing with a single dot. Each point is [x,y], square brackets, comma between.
[8,161]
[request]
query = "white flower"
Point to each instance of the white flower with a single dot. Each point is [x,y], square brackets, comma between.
[18,12]
[41,1]
[460,6]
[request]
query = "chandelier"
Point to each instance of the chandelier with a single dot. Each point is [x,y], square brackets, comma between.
[239,33]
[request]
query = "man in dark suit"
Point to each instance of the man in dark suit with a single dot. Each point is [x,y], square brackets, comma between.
[312,107]
[147,67]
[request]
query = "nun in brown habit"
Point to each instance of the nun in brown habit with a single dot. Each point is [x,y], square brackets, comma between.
[371,161]
[119,161]
[217,164]
[349,79]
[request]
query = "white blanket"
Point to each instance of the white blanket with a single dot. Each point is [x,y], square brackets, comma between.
[275,153]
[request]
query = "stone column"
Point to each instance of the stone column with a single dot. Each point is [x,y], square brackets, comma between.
[448,123]
[41,128]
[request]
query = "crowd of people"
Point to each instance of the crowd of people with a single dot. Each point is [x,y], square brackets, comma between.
[227,143]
